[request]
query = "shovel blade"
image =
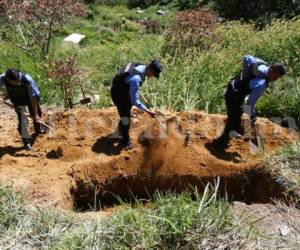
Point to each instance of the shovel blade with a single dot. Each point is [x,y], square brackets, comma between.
[86,100]
[254,148]
[257,145]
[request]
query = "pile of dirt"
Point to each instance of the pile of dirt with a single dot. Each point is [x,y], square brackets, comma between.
[82,166]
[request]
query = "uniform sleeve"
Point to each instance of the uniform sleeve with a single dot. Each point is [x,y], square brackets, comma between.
[134,84]
[33,90]
[257,86]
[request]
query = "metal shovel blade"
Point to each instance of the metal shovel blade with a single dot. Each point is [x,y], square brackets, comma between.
[86,100]
[254,147]
[256,144]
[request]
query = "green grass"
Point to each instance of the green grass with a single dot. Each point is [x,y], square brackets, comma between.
[198,79]
[189,220]
[286,164]
[194,79]
[24,226]
[171,221]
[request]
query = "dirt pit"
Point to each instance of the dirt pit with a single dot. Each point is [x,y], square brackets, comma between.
[82,166]
[251,186]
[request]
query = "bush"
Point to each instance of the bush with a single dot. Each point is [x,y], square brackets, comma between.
[152,26]
[66,75]
[188,4]
[195,76]
[192,29]
[261,9]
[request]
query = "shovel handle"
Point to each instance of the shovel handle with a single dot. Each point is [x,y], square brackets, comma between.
[47,126]
[82,91]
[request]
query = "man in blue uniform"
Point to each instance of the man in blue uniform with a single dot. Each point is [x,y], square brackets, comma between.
[252,82]
[125,93]
[23,93]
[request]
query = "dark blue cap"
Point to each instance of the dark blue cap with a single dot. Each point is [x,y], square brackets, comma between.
[156,68]
[279,68]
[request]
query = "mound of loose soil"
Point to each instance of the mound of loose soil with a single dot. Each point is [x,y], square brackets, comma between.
[81,165]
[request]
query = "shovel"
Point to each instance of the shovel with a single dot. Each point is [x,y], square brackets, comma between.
[28,115]
[163,126]
[84,101]
[257,143]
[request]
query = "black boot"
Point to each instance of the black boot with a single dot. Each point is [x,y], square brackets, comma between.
[27,144]
[127,145]
[28,147]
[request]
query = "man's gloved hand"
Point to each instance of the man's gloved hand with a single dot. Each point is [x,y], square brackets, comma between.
[253,120]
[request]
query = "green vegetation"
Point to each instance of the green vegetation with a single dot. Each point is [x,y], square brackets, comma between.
[171,221]
[287,165]
[256,10]
[195,78]
[22,225]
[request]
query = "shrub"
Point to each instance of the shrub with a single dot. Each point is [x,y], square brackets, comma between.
[66,74]
[29,25]
[261,9]
[152,26]
[192,29]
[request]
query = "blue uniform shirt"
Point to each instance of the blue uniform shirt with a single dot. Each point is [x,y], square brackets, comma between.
[258,84]
[134,84]
[33,90]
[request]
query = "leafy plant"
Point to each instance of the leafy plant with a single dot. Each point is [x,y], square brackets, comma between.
[66,74]
[192,29]
[152,26]
[29,25]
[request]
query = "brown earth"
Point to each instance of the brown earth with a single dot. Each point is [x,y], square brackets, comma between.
[82,166]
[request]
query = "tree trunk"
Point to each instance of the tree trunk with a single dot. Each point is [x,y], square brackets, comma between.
[49,37]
